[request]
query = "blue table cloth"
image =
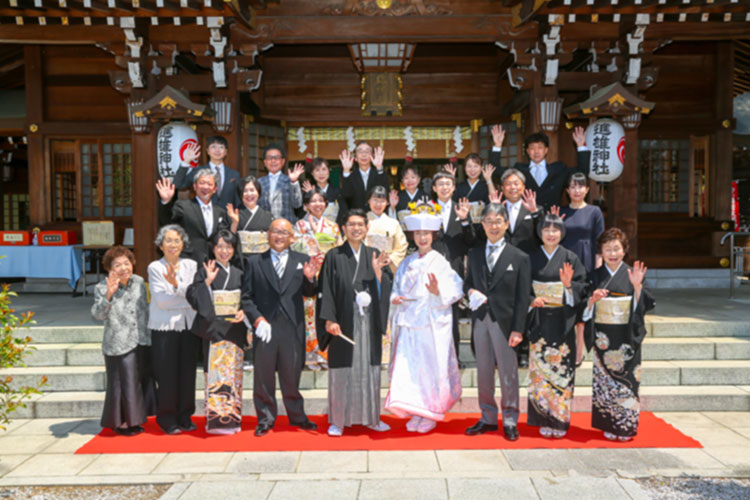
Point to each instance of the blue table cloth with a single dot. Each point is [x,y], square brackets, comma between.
[41,262]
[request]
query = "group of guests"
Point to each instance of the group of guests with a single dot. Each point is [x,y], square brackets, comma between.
[364,264]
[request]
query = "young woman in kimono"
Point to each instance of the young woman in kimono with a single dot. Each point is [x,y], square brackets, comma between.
[384,227]
[424,379]
[615,316]
[355,289]
[224,334]
[559,281]
[315,235]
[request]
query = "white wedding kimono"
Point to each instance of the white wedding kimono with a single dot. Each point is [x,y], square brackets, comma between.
[424,375]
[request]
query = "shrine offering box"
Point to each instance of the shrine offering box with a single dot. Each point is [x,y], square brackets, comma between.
[98,233]
[19,238]
[56,238]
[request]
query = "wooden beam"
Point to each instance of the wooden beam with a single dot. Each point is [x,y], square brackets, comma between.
[721,172]
[40,189]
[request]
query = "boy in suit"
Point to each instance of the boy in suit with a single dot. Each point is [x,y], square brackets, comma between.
[273,286]
[281,194]
[498,284]
[547,180]
[226,178]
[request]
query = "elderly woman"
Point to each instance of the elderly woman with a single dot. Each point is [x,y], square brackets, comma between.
[385,232]
[615,313]
[315,235]
[559,280]
[170,319]
[219,321]
[425,381]
[120,301]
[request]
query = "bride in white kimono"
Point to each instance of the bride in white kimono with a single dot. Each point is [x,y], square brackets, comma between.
[424,378]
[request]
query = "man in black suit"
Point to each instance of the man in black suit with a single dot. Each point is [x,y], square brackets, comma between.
[200,217]
[498,284]
[356,183]
[523,212]
[273,286]
[457,234]
[226,178]
[547,180]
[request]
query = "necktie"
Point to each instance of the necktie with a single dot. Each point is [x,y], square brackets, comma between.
[538,172]
[492,257]
[217,171]
[279,266]
[208,218]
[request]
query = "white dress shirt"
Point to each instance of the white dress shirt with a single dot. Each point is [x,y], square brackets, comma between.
[219,169]
[273,180]
[282,256]
[538,171]
[513,211]
[208,215]
[488,251]
[445,212]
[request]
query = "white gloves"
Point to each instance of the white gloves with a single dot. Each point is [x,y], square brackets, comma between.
[476,299]
[264,331]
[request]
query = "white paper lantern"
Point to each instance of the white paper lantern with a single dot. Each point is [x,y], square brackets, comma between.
[606,140]
[171,142]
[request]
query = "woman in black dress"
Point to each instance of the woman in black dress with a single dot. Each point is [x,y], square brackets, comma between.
[559,280]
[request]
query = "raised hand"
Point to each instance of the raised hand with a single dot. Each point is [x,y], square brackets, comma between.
[579,136]
[377,158]
[450,168]
[347,160]
[566,274]
[432,285]
[165,188]
[539,302]
[311,267]
[393,199]
[113,283]
[529,200]
[294,174]
[307,186]
[463,208]
[598,295]
[380,261]
[191,153]
[496,197]
[487,170]
[498,135]
[233,213]
[171,275]
[211,271]
[637,273]
[555,210]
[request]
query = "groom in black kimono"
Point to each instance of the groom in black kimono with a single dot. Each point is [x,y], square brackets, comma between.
[273,288]
[498,284]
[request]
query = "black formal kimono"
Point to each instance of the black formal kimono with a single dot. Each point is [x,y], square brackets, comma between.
[260,220]
[354,370]
[404,199]
[480,191]
[552,343]
[617,354]
[223,344]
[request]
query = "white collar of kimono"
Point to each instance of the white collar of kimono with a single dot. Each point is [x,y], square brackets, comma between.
[549,255]
[611,272]
[356,254]
[412,195]
[226,268]
[471,186]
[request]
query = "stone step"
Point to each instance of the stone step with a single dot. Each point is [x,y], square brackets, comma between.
[690,327]
[655,349]
[688,278]
[653,398]
[661,373]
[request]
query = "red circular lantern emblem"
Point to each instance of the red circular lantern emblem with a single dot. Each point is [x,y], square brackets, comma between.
[621,150]
[183,147]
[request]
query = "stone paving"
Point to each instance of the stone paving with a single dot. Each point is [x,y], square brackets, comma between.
[41,452]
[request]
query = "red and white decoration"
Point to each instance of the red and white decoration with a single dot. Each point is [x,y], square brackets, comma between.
[606,139]
[171,142]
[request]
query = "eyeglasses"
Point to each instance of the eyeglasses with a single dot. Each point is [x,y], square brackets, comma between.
[274,157]
[493,222]
[279,232]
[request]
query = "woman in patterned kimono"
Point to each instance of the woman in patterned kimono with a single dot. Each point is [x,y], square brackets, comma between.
[315,235]
[615,316]
[224,334]
[559,280]
[425,381]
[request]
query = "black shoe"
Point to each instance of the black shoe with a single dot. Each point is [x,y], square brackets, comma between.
[189,427]
[172,430]
[523,362]
[461,365]
[480,428]
[125,431]
[307,425]
[511,432]
[262,429]
[137,429]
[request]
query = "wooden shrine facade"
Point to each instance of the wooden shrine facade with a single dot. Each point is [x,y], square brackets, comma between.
[265,69]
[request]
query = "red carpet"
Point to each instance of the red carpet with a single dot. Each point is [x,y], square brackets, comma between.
[449,435]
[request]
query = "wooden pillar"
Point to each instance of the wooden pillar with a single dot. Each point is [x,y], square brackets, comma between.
[145,199]
[622,195]
[40,189]
[721,173]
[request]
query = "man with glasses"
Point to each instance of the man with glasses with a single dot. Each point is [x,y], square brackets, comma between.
[274,285]
[281,194]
